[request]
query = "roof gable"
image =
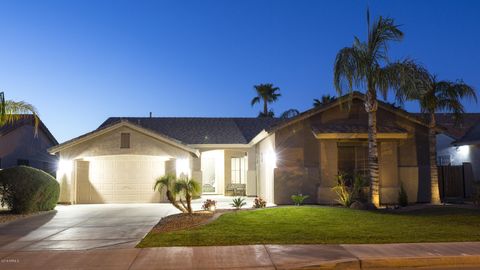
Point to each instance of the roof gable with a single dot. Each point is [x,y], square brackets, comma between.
[345,100]
[108,128]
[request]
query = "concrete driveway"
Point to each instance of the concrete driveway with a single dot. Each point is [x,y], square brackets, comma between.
[83,227]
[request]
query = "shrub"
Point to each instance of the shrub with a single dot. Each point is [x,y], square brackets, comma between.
[402,197]
[259,203]
[209,205]
[238,203]
[344,192]
[299,198]
[25,190]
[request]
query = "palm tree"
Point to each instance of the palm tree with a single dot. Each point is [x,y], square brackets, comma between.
[439,96]
[325,99]
[366,66]
[268,94]
[168,182]
[188,187]
[11,111]
[290,113]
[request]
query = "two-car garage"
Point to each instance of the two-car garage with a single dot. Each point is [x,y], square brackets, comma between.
[118,179]
[118,164]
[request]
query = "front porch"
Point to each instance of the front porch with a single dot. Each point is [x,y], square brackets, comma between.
[227,172]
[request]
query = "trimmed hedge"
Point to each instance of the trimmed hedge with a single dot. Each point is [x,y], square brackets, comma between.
[25,190]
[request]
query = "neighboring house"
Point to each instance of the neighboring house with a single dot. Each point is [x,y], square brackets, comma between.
[468,146]
[264,157]
[21,145]
[452,130]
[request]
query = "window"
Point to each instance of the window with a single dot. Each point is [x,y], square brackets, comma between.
[238,170]
[24,162]
[125,140]
[353,159]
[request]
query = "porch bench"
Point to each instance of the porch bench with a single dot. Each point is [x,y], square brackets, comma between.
[235,190]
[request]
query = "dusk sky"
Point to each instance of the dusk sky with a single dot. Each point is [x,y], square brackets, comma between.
[80,62]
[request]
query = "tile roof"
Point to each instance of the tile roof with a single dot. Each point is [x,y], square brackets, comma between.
[472,136]
[447,121]
[201,130]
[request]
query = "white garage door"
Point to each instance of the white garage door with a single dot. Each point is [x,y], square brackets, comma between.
[119,179]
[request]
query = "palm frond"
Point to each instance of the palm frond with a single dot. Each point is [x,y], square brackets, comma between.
[348,70]
[12,111]
[255,100]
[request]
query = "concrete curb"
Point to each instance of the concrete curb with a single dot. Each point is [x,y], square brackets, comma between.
[434,261]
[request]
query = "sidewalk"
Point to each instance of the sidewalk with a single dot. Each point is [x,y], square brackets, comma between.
[253,257]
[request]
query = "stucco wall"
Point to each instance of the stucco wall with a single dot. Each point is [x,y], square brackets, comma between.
[109,144]
[265,169]
[22,143]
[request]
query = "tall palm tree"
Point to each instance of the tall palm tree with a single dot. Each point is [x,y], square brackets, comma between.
[365,65]
[11,111]
[268,94]
[323,100]
[438,96]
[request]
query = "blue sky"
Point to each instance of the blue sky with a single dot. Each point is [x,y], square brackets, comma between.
[80,62]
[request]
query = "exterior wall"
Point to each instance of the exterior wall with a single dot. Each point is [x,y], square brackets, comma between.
[388,165]
[297,169]
[265,168]
[22,143]
[109,144]
[309,166]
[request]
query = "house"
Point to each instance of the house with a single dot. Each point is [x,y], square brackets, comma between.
[20,144]
[468,149]
[451,131]
[265,157]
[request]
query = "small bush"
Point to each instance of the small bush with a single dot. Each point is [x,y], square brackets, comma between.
[299,198]
[238,203]
[402,197]
[209,205]
[25,190]
[344,192]
[259,203]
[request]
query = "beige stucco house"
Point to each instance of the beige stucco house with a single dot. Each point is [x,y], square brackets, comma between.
[271,158]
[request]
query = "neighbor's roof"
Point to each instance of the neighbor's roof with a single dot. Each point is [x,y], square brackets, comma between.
[452,128]
[472,136]
[27,119]
[201,130]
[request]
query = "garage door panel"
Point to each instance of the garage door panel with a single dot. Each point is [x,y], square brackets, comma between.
[121,179]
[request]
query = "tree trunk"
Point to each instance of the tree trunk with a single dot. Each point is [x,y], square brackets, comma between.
[172,200]
[371,106]
[265,107]
[188,198]
[432,141]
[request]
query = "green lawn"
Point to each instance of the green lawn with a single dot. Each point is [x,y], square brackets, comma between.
[326,225]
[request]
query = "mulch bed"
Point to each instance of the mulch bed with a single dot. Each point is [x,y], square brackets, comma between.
[185,221]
